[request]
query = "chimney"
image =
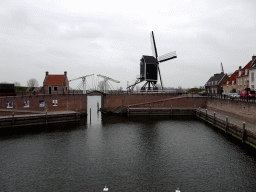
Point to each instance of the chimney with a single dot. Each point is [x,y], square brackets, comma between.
[46,73]
[65,73]
[253,57]
[240,68]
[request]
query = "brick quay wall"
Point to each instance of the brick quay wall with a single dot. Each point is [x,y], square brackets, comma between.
[113,101]
[237,108]
[64,103]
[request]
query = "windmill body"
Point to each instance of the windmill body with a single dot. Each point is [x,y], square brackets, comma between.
[149,67]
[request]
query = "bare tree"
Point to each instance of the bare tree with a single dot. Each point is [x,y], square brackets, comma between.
[16,84]
[101,86]
[32,82]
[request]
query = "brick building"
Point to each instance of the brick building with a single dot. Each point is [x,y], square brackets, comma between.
[55,84]
[242,77]
[229,86]
[214,84]
[252,73]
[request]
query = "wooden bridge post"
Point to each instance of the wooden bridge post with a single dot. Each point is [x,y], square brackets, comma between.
[226,127]
[46,117]
[213,118]
[205,114]
[12,118]
[128,110]
[90,115]
[244,133]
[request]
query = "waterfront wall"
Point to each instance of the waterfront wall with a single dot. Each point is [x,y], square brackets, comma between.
[111,102]
[241,133]
[38,119]
[240,109]
[42,103]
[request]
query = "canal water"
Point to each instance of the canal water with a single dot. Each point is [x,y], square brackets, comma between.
[136,153]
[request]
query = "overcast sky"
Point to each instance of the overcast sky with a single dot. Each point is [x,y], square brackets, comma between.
[109,37]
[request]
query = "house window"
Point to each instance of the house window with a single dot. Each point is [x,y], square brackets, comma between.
[246,71]
[227,82]
[252,76]
[252,86]
[245,81]
[55,88]
[216,82]
[233,82]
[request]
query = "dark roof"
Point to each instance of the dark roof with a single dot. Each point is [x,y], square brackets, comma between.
[7,88]
[216,77]
[149,59]
[253,63]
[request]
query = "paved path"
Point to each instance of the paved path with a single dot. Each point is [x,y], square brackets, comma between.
[233,120]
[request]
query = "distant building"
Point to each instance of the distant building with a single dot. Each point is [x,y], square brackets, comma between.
[55,84]
[229,86]
[242,77]
[7,89]
[214,84]
[252,73]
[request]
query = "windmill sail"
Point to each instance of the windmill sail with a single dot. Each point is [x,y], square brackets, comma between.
[167,56]
[153,44]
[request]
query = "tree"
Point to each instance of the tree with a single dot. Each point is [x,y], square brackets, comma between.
[16,84]
[101,86]
[32,82]
[180,89]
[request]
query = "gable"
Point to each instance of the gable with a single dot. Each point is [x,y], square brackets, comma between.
[54,80]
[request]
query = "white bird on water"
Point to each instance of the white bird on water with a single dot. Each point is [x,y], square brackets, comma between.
[106,189]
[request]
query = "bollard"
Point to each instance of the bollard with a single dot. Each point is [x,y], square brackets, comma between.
[205,114]
[128,110]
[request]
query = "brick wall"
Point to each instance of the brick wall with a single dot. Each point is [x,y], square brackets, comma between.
[240,109]
[111,102]
[65,103]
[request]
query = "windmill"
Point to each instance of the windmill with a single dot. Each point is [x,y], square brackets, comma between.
[83,82]
[149,67]
[106,79]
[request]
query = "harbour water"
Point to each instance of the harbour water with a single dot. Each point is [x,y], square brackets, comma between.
[136,153]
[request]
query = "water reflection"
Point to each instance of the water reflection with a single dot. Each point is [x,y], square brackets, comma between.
[136,153]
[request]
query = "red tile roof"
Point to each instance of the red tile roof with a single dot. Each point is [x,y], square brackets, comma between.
[54,80]
[246,67]
[232,78]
